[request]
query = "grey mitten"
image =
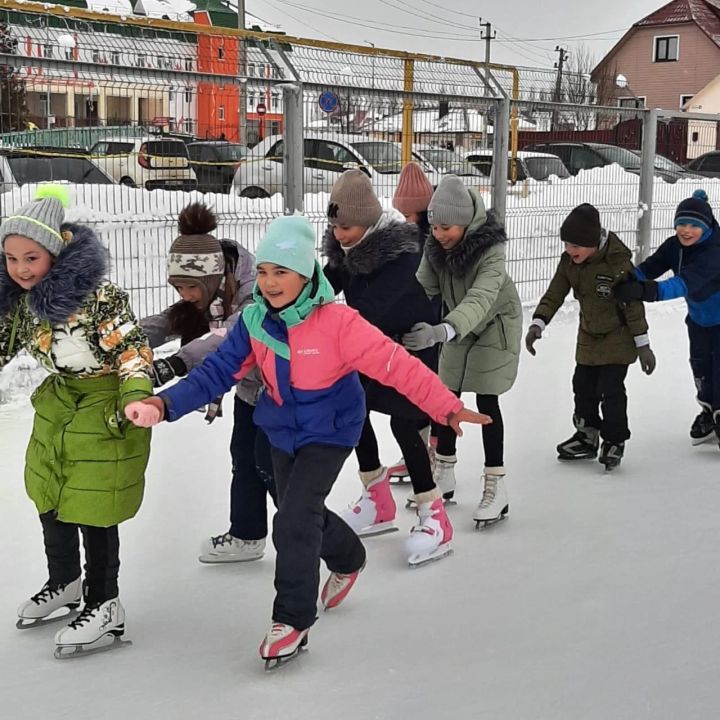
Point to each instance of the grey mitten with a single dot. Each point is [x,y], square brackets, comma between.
[647,359]
[423,335]
[534,333]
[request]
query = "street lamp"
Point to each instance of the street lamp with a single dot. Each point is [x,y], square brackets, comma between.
[372,81]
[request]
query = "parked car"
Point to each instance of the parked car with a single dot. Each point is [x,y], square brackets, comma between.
[442,161]
[707,165]
[20,166]
[535,165]
[260,174]
[585,156]
[215,163]
[146,162]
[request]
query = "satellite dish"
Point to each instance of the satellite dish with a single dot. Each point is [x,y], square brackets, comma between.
[621,81]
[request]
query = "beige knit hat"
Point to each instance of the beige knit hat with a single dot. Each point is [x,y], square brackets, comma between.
[196,256]
[451,203]
[353,201]
[413,191]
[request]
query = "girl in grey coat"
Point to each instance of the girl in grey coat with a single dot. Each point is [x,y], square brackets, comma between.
[215,281]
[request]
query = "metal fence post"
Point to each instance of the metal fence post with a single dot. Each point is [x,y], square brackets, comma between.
[647,178]
[293,147]
[407,116]
[501,132]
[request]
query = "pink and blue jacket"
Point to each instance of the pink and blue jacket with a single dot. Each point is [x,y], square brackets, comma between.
[309,356]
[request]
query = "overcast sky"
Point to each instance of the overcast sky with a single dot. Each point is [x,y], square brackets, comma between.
[447,27]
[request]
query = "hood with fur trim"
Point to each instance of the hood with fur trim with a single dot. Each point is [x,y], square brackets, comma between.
[477,241]
[78,271]
[374,251]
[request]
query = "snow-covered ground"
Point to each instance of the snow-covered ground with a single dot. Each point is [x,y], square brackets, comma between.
[596,600]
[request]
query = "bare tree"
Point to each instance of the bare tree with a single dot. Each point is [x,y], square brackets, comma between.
[578,88]
[13,105]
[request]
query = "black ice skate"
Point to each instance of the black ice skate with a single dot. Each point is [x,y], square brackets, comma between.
[611,454]
[583,445]
[703,427]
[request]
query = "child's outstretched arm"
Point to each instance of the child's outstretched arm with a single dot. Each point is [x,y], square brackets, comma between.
[549,304]
[366,349]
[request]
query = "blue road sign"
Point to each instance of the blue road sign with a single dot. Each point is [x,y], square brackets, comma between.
[328,101]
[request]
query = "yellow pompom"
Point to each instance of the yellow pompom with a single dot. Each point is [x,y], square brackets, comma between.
[59,192]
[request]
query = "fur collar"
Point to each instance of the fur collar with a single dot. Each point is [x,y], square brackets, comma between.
[469,250]
[78,271]
[378,248]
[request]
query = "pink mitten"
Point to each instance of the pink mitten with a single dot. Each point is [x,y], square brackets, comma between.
[143,414]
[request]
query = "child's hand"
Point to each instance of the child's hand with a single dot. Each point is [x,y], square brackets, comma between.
[469,416]
[423,335]
[145,413]
[534,334]
[647,359]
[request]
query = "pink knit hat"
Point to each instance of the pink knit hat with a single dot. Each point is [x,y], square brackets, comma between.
[413,191]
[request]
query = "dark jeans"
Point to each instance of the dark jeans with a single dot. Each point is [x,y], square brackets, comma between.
[705,362]
[102,556]
[493,435]
[411,444]
[602,387]
[304,531]
[252,475]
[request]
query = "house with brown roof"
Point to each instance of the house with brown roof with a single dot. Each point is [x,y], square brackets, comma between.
[666,58]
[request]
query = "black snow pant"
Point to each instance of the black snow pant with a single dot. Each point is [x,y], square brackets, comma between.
[252,475]
[305,531]
[411,445]
[705,362]
[602,387]
[493,435]
[102,556]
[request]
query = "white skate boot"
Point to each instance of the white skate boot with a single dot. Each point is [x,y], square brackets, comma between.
[282,644]
[430,538]
[227,549]
[374,512]
[84,635]
[494,505]
[42,607]
[444,477]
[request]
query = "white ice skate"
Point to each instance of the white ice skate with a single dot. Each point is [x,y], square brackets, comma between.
[43,607]
[282,644]
[228,549]
[444,477]
[87,633]
[374,512]
[398,472]
[494,505]
[430,538]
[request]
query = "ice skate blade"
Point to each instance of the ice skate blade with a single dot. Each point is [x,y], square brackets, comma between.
[399,479]
[418,559]
[571,458]
[412,505]
[379,529]
[484,524]
[69,652]
[702,440]
[206,560]
[28,623]
[278,662]
[609,467]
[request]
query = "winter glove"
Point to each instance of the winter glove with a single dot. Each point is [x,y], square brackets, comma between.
[166,369]
[634,290]
[423,335]
[647,359]
[534,334]
[214,410]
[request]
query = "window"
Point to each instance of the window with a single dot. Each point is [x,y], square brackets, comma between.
[276,72]
[684,99]
[141,60]
[188,95]
[47,51]
[631,102]
[251,70]
[711,163]
[221,53]
[95,55]
[666,48]
[221,112]
[276,152]
[274,102]
[69,54]
[585,159]
[115,58]
[188,126]
[158,62]
[171,96]
[188,64]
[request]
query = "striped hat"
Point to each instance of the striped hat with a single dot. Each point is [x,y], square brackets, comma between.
[695,211]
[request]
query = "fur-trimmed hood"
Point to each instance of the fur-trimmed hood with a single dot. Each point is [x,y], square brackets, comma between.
[78,271]
[378,248]
[469,250]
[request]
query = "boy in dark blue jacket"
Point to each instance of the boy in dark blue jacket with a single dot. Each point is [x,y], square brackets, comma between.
[693,256]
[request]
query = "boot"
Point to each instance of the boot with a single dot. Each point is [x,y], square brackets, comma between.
[716,419]
[96,621]
[337,587]
[399,472]
[374,512]
[226,549]
[282,643]
[431,536]
[51,598]
[444,477]
[703,427]
[494,505]
[583,445]
[611,454]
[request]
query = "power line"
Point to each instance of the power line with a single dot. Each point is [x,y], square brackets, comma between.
[441,7]
[297,20]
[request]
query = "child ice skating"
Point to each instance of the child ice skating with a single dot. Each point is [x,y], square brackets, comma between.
[372,257]
[85,462]
[309,351]
[693,256]
[610,336]
[464,264]
[215,281]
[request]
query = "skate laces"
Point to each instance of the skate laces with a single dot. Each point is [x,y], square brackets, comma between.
[48,593]
[224,539]
[277,630]
[490,491]
[85,616]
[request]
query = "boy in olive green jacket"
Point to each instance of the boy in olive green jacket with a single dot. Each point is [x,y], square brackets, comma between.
[611,335]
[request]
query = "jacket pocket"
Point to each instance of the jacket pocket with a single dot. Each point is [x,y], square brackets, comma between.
[503,334]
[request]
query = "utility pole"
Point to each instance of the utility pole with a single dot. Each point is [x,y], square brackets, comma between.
[488,36]
[562,57]
[242,69]
[372,96]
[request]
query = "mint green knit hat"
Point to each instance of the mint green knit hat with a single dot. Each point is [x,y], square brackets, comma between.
[289,241]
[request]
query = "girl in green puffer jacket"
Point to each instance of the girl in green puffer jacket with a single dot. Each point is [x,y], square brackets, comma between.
[85,464]
[464,264]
